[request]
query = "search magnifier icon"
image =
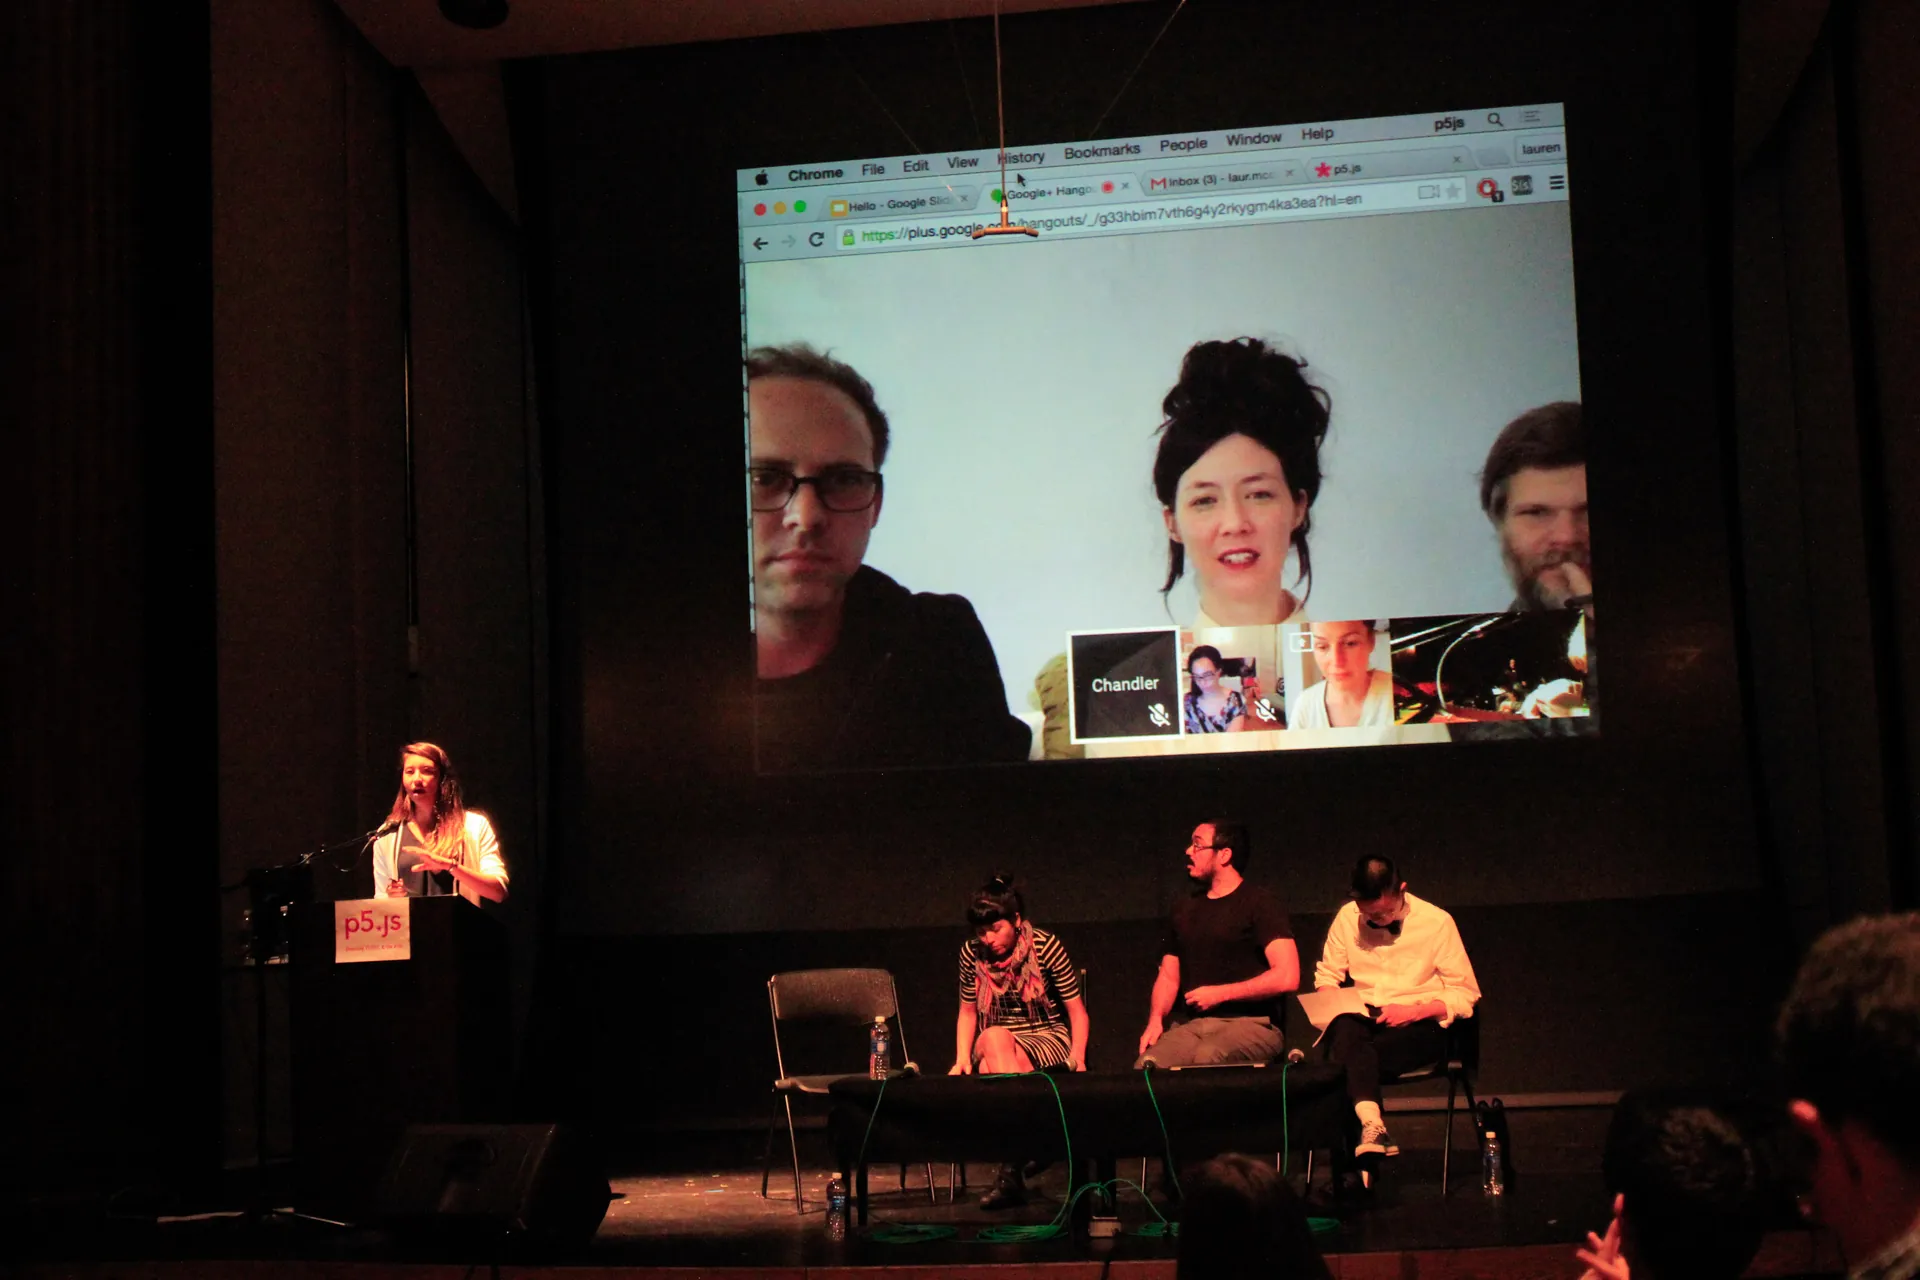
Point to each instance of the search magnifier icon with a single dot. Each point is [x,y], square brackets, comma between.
[1493,118]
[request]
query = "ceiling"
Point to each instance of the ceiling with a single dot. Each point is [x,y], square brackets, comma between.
[412,33]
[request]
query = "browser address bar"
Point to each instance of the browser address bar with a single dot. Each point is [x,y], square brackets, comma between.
[1168,214]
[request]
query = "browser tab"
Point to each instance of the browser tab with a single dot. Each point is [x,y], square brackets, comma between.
[1390,164]
[1535,148]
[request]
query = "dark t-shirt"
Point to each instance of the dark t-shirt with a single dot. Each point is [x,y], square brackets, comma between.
[1220,940]
[912,681]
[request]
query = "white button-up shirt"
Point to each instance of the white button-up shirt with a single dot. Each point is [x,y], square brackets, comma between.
[1426,962]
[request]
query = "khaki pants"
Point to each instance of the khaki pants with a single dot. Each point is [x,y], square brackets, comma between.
[1202,1042]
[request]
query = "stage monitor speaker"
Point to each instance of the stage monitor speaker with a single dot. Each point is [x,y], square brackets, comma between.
[483,1182]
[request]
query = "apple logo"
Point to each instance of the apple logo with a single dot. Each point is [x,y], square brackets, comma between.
[760,179]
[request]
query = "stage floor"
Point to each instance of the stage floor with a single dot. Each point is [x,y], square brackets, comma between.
[702,1217]
[718,1218]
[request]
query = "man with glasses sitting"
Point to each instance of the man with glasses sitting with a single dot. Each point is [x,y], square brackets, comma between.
[1226,964]
[854,669]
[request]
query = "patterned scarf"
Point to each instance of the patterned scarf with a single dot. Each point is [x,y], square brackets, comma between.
[1018,975]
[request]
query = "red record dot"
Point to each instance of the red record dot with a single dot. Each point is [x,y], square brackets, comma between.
[1107,187]
[759,211]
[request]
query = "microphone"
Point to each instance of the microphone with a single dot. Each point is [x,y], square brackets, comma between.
[388,829]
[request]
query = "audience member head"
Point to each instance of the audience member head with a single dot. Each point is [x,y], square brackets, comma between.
[1239,1220]
[1694,1183]
[1534,490]
[1849,1046]
[1237,472]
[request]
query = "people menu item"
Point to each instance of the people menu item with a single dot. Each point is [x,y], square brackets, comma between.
[1269,440]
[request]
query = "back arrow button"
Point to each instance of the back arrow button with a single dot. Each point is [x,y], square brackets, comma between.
[758,243]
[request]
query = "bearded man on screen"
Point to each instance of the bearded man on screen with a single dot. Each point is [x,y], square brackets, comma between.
[854,670]
[1534,490]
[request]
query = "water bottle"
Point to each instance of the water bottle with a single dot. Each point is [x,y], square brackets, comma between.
[836,1208]
[1493,1173]
[879,1049]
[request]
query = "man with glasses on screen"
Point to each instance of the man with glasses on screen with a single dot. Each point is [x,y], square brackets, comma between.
[1227,963]
[854,670]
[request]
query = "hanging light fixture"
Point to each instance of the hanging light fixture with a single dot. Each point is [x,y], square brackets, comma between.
[1006,227]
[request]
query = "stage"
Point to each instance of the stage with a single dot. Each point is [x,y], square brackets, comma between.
[707,1217]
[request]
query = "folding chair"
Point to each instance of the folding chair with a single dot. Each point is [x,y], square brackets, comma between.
[1460,1062]
[841,998]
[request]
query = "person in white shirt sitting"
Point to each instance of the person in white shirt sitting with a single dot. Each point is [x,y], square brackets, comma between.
[1407,963]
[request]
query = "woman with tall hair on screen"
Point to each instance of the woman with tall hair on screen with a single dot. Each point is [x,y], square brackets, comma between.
[438,846]
[1352,693]
[1020,1005]
[1236,473]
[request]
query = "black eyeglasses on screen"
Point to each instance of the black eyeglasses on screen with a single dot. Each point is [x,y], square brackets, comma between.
[843,489]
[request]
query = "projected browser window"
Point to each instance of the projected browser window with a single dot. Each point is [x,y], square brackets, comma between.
[1264,439]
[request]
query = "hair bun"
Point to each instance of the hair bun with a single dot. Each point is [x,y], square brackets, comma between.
[1244,378]
[1000,883]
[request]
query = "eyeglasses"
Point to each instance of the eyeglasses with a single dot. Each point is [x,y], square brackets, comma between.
[842,489]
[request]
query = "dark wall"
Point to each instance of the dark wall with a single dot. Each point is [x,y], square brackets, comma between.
[107,895]
[1825,269]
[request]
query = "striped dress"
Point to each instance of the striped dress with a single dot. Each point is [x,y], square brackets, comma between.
[1040,1027]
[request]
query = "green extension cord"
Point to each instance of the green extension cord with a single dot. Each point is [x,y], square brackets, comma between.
[1047,1230]
[911,1233]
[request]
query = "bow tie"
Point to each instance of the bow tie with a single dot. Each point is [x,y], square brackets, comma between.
[1392,928]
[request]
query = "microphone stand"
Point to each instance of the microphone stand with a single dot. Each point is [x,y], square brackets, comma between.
[272,890]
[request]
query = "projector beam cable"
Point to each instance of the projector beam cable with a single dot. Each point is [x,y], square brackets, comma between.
[1095,131]
[877,100]
[966,88]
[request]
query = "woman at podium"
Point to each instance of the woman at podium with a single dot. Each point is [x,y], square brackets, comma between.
[437,846]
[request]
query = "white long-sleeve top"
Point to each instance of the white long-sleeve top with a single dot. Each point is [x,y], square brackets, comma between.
[1426,962]
[387,859]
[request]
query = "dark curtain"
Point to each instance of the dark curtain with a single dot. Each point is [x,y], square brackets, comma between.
[1825,268]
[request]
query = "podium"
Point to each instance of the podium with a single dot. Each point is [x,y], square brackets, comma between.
[380,1045]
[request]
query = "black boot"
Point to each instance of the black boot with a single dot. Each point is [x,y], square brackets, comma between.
[1008,1190]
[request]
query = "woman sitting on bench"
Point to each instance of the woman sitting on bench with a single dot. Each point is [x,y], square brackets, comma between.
[1020,1005]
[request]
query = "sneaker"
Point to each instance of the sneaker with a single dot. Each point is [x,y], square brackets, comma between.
[1008,1190]
[1376,1141]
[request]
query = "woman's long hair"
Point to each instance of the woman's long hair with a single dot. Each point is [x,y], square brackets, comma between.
[447,837]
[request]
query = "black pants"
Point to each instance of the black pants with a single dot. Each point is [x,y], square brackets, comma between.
[1370,1051]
